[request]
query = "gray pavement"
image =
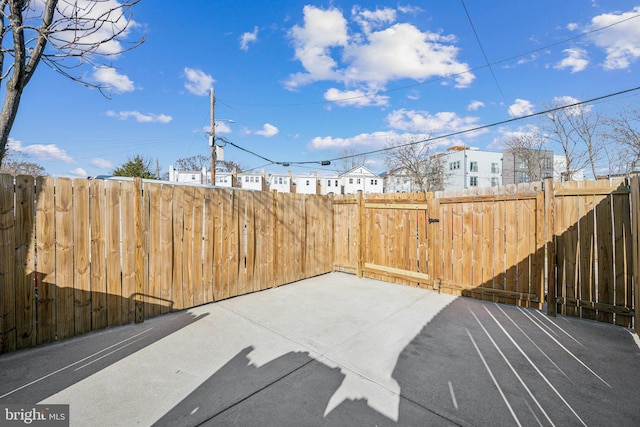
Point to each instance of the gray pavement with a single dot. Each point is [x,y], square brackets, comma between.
[337,350]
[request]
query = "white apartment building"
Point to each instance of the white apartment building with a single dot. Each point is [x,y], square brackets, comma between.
[467,167]
[282,183]
[399,181]
[307,184]
[361,179]
[330,185]
[560,170]
[192,177]
[253,181]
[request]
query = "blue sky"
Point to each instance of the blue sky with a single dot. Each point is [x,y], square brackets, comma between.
[303,81]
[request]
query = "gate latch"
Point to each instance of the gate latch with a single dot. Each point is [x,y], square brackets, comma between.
[432,220]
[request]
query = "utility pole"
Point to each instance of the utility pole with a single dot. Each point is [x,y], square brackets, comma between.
[212,140]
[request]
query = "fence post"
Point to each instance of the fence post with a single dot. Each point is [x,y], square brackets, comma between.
[276,268]
[635,246]
[550,258]
[137,219]
[361,246]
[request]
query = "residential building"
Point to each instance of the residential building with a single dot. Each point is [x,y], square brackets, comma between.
[361,179]
[525,165]
[253,181]
[282,183]
[193,177]
[399,180]
[307,184]
[560,170]
[330,185]
[470,167]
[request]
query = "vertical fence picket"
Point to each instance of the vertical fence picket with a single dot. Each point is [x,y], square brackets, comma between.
[8,335]
[81,256]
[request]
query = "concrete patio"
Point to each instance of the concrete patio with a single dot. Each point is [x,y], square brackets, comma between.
[338,350]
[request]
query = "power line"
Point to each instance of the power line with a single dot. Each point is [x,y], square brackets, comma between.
[449,135]
[484,54]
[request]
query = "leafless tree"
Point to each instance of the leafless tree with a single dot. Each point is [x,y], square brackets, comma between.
[528,148]
[349,158]
[18,164]
[64,35]
[624,129]
[420,163]
[560,129]
[586,124]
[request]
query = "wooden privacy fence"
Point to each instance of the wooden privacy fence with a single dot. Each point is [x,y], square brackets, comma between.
[575,244]
[77,256]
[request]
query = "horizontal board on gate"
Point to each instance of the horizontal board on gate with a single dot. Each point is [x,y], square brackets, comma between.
[387,205]
[412,275]
[608,308]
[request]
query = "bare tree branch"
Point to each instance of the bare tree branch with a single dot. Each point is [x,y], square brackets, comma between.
[64,35]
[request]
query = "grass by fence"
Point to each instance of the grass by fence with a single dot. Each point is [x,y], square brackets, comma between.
[77,256]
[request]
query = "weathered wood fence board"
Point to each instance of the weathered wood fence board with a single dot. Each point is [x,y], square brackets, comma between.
[83,255]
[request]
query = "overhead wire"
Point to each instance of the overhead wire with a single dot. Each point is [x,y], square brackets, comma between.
[484,54]
[439,137]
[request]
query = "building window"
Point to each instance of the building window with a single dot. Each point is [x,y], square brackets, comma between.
[473,166]
[193,177]
[454,165]
[547,163]
[350,180]
[524,164]
[494,182]
[328,183]
[524,177]
[336,182]
[473,181]
[358,180]
[495,168]
[307,183]
[374,182]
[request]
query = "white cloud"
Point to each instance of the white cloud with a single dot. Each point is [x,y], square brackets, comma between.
[102,163]
[520,108]
[40,151]
[139,117]
[371,19]
[370,140]
[109,76]
[322,30]
[356,98]
[108,12]
[561,101]
[382,52]
[475,105]
[433,124]
[504,134]
[197,81]
[247,38]
[572,26]
[268,130]
[621,42]
[78,172]
[576,60]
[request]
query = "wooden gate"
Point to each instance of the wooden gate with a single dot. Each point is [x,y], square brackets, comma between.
[486,245]
[592,234]
[491,243]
